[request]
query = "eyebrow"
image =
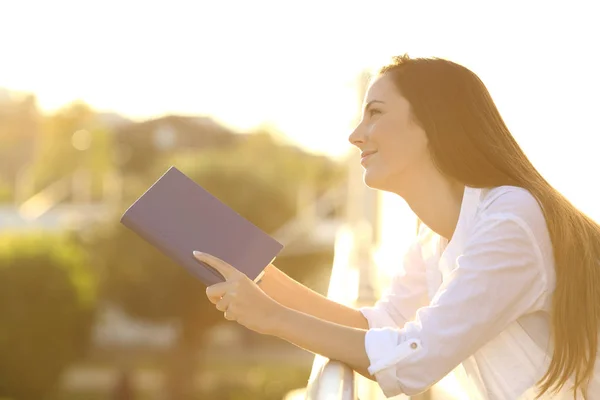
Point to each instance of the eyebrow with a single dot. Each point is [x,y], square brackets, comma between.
[369,104]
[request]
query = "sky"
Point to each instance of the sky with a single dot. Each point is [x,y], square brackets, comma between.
[293,64]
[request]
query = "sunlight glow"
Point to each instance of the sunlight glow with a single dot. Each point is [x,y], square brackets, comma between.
[293,65]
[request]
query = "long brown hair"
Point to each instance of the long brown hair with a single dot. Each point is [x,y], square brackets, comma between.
[470,143]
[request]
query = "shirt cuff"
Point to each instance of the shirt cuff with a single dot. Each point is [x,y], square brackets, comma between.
[386,348]
[377,318]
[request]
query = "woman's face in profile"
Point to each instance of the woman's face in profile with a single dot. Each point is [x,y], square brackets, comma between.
[393,145]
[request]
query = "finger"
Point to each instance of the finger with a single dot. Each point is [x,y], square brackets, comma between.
[221,266]
[216,291]
[229,315]
[223,304]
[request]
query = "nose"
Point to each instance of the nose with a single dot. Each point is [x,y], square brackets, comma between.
[357,137]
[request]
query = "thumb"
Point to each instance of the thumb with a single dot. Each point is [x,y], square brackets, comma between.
[226,270]
[216,291]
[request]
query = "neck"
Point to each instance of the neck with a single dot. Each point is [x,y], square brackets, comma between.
[436,201]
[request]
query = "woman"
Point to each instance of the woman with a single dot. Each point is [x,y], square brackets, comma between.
[507,292]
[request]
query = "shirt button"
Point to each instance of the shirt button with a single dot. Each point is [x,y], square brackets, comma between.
[413,345]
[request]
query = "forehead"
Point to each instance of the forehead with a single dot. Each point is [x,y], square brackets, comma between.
[382,89]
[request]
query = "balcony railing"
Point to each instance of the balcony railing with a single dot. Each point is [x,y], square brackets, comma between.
[334,381]
[331,379]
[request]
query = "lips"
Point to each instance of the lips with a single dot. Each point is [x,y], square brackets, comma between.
[364,156]
[367,153]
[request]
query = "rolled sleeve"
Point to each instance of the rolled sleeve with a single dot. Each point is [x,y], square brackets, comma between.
[498,278]
[378,344]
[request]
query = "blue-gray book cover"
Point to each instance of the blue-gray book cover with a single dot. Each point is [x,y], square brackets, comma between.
[178,216]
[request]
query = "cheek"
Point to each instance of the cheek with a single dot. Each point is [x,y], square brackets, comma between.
[383,132]
[412,144]
[400,148]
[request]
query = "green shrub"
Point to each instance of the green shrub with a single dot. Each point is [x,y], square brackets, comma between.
[47,302]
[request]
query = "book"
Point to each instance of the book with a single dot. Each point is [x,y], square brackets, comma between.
[178,216]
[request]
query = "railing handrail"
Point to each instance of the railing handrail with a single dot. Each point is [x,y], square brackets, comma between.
[331,379]
[334,381]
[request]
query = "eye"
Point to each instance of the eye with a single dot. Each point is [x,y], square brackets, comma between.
[373,112]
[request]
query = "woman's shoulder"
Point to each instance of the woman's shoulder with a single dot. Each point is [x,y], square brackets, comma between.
[516,203]
[511,200]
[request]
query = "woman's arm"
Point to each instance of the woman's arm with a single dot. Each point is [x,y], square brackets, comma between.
[293,295]
[498,278]
[336,342]
[397,306]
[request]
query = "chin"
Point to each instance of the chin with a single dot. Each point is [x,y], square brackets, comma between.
[372,180]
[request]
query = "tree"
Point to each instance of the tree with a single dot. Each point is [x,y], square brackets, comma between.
[47,303]
[286,167]
[74,140]
[19,125]
[138,145]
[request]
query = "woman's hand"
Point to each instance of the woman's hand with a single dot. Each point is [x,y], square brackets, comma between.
[241,299]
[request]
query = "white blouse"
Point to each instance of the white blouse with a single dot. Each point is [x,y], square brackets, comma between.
[477,307]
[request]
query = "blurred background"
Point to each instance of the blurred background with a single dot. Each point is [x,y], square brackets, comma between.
[254,100]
